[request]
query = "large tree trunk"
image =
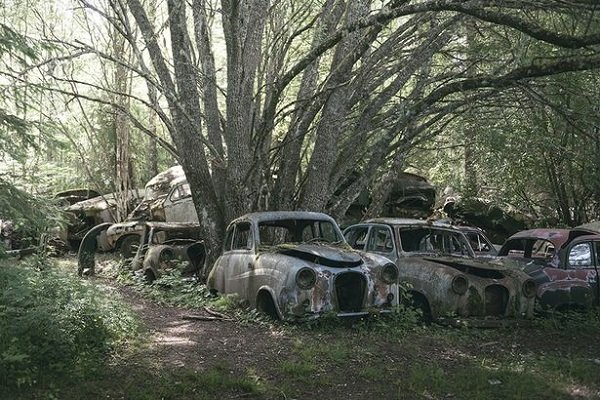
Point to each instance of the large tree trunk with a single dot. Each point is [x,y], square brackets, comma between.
[122,131]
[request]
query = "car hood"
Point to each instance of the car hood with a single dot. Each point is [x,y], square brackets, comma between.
[465,265]
[330,256]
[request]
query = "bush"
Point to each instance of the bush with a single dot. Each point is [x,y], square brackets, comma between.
[55,325]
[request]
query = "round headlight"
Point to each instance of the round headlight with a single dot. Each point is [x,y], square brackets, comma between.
[460,284]
[389,274]
[529,288]
[306,278]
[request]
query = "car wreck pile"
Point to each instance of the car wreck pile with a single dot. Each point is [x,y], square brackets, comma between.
[297,265]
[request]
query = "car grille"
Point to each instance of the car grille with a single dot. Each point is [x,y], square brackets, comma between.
[350,291]
[496,300]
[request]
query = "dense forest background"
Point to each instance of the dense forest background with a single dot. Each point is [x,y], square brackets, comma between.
[303,104]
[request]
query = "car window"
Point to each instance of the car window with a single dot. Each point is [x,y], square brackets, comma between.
[478,242]
[357,237]
[381,240]
[597,248]
[431,240]
[181,192]
[228,239]
[535,249]
[277,232]
[580,256]
[242,238]
[319,230]
[271,235]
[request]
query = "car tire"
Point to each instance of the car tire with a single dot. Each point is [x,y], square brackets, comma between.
[419,302]
[129,245]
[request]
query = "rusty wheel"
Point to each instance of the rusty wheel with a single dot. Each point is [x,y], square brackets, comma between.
[129,246]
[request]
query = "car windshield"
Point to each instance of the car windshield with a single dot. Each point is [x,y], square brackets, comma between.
[530,248]
[275,233]
[426,240]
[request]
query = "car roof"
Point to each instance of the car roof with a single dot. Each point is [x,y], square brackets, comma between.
[411,222]
[585,238]
[258,217]
[558,237]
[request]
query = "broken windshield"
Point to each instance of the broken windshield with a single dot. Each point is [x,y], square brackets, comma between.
[275,233]
[425,240]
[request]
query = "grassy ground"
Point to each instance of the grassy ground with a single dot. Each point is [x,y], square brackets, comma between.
[555,358]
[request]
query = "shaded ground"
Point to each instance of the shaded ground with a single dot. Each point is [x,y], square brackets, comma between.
[385,359]
[357,361]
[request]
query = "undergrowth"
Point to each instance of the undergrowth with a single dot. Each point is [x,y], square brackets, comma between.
[54,325]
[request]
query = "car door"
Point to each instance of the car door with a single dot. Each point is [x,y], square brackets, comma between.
[381,241]
[179,206]
[241,259]
[582,272]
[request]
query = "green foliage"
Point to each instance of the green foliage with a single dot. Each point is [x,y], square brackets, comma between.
[14,43]
[32,216]
[54,325]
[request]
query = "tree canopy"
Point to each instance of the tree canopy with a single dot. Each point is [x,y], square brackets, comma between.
[306,104]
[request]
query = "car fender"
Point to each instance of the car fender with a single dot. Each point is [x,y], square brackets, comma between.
[556,294]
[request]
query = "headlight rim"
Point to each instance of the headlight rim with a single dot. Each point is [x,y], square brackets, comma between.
[302,285]
[382,274]
[458,287]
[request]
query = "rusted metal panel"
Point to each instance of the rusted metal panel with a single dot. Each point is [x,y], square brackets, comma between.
[559,285]
[165,246]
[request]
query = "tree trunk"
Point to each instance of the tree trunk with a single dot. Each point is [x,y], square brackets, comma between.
[122,130]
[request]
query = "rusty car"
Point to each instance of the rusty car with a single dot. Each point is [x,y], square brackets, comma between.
[167,198]
[296,265]
[168,246]
[446,280]
[84,215]
[563,262]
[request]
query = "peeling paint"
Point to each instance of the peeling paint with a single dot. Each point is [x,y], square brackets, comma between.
[346,282]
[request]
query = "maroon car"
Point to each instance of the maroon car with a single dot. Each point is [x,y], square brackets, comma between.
[564,264]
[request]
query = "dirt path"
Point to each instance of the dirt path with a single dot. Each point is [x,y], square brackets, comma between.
[201,345]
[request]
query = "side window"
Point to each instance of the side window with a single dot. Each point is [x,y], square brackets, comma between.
[228,239]
[357,237]
[478,242]
[380,240]
[242,240]
[580,256]
[181,192]
[597,248]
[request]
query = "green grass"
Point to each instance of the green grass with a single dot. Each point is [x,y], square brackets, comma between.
[143,382]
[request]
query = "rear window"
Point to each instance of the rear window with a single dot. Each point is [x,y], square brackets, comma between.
[536,249]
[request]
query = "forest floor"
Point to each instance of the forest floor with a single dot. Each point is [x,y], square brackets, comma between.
[178,358]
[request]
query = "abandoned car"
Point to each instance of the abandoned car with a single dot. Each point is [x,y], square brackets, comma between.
[167,246]
[86,214]
[296,265]
[167,198]
[438,262]
[564,263]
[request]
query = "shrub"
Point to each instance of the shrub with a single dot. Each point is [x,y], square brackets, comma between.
[55,325]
